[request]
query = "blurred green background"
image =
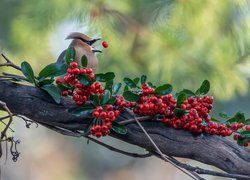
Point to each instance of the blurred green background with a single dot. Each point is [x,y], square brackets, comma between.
[181,42]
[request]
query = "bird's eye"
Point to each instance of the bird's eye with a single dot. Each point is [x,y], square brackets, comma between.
[94,50]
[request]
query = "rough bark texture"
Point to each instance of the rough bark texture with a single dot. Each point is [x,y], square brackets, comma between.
[213,150]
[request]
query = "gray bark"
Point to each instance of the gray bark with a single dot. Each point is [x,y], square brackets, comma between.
[212,150]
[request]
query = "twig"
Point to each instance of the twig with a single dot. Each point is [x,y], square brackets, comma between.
[79,134]
[8,75]
[9,63]
[62,131]
[26,120]
[9,127]
[128,121]
[4,107]
[202,171]
[5,117]
[191,174]
[118,150]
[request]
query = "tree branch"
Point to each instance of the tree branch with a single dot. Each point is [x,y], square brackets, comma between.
[9,63]
[37,105]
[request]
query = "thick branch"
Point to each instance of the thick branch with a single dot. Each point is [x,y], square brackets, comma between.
[213,150]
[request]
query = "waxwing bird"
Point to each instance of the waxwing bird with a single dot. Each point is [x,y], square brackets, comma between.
[83,46]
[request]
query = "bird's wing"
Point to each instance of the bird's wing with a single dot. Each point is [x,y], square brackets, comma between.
[61,58]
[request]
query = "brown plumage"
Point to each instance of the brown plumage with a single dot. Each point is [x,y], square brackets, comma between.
[82,44]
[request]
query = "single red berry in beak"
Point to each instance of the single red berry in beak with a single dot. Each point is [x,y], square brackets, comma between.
[105,44]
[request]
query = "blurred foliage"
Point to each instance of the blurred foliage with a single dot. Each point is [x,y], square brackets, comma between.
[181,42]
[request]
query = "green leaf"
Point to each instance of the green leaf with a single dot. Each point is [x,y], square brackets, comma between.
[224,115]
[52,70]
[247,122]
[204,88]
[84,61]
[130,96]
[105,77]
[63,87]
[130,82]
[188,92]
[96,99]
[242,141]
[116,88]
[245,133]
[179,112]
[106,97]
[143,79]
[70,55]
[89,125]
[82,111]
[111,101]
[28,72]
[136,80]
[53,91]
[215,120]
[45,81]
[238,117]
[109,85]
[84,79]
[151,85]
[180,99]
[126,88]
[163,90]
[119,128]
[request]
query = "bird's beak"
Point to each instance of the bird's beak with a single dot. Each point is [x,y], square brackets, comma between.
[90,42]
[95,50]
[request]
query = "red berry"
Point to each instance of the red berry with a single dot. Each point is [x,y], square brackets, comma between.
[104,128]
[247,128]
[229,132]
[193,128]
[89,70]
[240,125]
[79,85]
[105,44]
[99,108]
[111,114]
[79,102]
[65,93]
[96,114]
[83,71]
[92,76]
[109,107]
[98,128]
[103,115]
[73,65]
[109,125]
[234,127]
[59,81]
[76,71]
[98,134]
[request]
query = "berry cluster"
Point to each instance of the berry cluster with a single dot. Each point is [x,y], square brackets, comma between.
[105,117]
[195,119]
[83,92]
[74,71]
[238,137]
[121,103]
[194,115]
[150,104]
